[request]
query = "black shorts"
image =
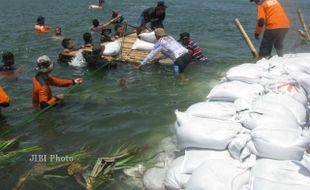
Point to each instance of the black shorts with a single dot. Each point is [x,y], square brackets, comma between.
[272,38]
[182,62]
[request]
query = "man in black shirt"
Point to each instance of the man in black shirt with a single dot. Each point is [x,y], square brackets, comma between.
[154,15]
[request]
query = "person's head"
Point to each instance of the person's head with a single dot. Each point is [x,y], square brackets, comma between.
[101,2]
[106,31]
[58,31]
[40,20]
[8,58]
[96,22]
[44,64]
[67,43]
[256,1]
[159,33]
[97,50]
[160,8]
[184,38]
[119,29]
[87,38]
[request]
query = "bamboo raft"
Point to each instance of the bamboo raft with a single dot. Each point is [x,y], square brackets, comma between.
[127,55]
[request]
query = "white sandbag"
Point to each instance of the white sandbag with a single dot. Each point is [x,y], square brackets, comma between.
[204,133]
[238,147]
[230,91]
[112,48]
[153,178]
[290,89]
[306,161]
[279,175]
[249,73]
[94,7]
[142,45]
[148,37]
[195,157]
[214,110]
[280,143]
[219,175]
[78,60]
[175,179]
[298,109]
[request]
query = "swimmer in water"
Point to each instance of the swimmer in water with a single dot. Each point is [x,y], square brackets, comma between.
[40,26]
[58,34]
[88,41]
[8,71]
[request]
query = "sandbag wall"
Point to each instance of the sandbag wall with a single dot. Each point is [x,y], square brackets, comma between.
[251,133]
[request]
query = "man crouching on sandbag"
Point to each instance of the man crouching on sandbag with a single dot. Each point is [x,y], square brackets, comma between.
[168,46]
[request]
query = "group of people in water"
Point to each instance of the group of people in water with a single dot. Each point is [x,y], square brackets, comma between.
[271,15]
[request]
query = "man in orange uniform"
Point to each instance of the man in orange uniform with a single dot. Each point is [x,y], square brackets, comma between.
[4,100]
[42,82]
[271,14]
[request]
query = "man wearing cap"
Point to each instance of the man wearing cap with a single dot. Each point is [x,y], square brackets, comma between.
[154,15]
[42,82]
[271,14]
[168,46]
[194,49]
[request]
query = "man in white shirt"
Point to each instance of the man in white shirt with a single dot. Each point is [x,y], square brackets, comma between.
[168,46]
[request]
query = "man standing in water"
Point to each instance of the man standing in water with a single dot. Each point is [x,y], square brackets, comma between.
[170,48]
[154,15]
[42,82]
[271,14]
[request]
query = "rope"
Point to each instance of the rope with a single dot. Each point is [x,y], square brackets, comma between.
[39,113]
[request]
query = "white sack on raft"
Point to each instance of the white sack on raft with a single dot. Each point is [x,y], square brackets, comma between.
[175,179]
[112,48]
[148,37]
[230,91]
[283,175]
[280,143]
[198,132]
[142,45]
[213,110]
[249,73]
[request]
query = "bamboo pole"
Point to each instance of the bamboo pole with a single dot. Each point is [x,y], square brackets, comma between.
[246,38]
[303,24]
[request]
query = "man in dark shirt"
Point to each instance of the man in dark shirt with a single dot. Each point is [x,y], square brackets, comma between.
[154,15]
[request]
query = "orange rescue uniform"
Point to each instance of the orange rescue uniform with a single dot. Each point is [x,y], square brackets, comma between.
[41,29]
[272,15]
[4,98]
[42,93]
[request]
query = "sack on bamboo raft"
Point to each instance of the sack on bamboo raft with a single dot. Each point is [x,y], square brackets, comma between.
[112,48]
[148,37]
[249,73]
[78,60]
[213,110]
[230,91]
[175,179]
[195,157]
[142,45]
[198,132]
[280,143]
[285,175]
[219,175]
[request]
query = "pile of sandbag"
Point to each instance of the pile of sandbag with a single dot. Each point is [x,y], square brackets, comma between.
[252,132]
